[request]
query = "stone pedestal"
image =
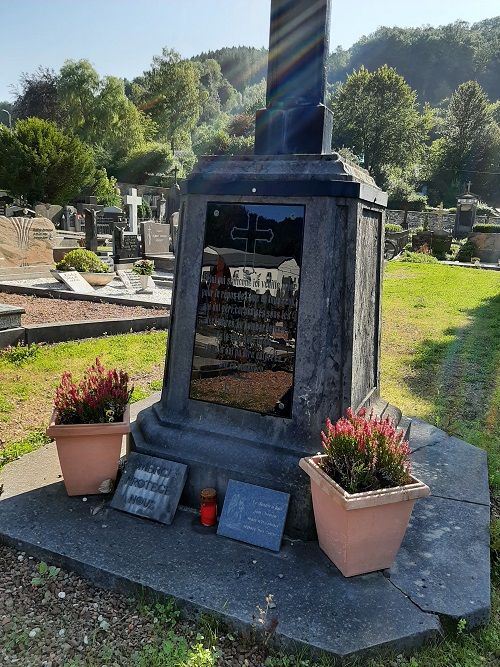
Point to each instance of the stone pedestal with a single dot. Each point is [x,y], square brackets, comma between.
[275,322]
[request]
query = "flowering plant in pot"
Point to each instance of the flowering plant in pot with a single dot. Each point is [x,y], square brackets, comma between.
[144,268]
[363,491]
[88,422]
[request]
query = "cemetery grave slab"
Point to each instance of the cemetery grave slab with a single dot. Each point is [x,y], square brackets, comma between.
[398,609]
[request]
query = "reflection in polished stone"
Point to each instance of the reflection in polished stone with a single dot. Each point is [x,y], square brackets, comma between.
[246,326]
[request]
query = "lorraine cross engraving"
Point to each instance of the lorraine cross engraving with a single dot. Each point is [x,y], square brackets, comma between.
[251,234]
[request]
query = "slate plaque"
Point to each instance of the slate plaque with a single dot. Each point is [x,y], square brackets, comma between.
[254,514]
[150,487]
[132,281]
[246,326]
[76,282]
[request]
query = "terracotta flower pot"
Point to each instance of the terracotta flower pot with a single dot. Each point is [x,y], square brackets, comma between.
[88,453]
[360,532]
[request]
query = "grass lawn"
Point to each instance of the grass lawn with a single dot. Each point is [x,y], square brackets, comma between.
[440,362]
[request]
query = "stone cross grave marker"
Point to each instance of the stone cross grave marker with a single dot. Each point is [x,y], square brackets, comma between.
[254,514]
[76,282]
[150,487]
[277,292]
[132,200]
[296,119]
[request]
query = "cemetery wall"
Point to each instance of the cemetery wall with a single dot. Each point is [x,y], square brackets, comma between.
[421,218]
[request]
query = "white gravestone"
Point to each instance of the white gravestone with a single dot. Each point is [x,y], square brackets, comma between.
[132,200]
[76,282]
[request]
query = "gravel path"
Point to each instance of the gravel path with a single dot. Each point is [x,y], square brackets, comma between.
[63,621]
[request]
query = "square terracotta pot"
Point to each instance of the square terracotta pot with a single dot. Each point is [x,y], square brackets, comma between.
[360,532]
[88,453]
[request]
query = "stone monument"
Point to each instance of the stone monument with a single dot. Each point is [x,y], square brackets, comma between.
[132,200]
[275,321]
[26,242]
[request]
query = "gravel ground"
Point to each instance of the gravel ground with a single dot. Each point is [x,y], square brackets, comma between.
[41,310]
[161,294]
[64,621]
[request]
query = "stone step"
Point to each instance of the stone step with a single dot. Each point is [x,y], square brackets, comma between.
[21,272]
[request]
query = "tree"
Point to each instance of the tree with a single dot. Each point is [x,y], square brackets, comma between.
[376,116]
[38,96]
[148,163]
[98,111]
[468,149]
[38,162]
[169,93]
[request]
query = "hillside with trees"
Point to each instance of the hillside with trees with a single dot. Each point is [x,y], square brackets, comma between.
[419,108]
[432,61]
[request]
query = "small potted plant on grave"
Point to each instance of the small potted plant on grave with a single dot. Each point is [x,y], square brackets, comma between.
[362,491]
[144,268]
[88,422]
[88,264]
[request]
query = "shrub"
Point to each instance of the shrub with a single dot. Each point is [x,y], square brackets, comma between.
[466,251]
[365,454]
[100,397]
[417,257]
[393,228]
[82,260]
[486,228]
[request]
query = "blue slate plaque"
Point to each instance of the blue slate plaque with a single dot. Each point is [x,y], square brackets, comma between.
[254,514]
[150,487]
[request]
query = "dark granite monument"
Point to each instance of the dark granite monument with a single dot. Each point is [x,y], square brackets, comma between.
[126,246]
[275,321]
[90,229]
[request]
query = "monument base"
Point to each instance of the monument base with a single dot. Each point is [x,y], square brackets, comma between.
[275,322]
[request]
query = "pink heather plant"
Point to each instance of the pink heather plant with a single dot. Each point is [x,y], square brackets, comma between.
[365,454]
[100,397]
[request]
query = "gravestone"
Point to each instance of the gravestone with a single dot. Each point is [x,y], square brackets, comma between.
[89,204]
[465,216]
[253,514]
[11,331]
[132,281]
[90,229]
[150,488]
[155,238]
[76,282]
[5,201]
[132,200]
[26,241]
[277,293]
[126,247]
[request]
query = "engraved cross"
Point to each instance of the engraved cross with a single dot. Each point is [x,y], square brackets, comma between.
[251,234]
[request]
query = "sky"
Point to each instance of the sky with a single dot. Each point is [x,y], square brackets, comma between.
[120,37]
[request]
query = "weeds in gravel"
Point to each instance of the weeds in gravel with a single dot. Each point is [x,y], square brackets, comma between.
[20,353]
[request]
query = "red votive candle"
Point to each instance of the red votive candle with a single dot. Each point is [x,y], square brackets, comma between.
[208,507]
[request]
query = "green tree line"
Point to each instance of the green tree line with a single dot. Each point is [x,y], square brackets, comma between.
[415,107]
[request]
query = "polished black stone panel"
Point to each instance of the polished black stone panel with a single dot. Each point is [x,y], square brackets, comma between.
[246,325]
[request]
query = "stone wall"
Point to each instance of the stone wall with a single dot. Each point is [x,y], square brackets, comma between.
[418,219]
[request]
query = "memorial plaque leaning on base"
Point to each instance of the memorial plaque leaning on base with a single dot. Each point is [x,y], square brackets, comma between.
[254,514]
[150,487]
[76,282]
